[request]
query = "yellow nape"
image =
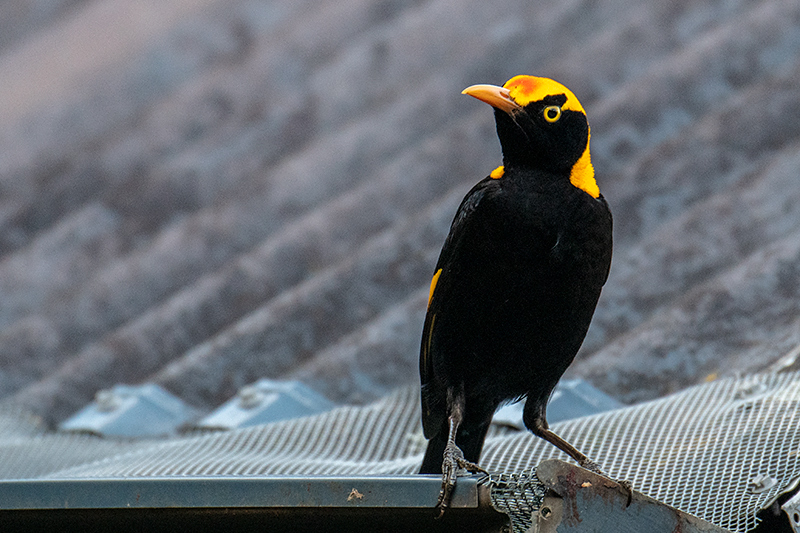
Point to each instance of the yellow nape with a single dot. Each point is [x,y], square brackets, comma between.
[526,89]
[497,173]
[433,285]
[582,174]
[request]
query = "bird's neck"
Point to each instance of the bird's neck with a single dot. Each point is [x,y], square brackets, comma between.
[582,174]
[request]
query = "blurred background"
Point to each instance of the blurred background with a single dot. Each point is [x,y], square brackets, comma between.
[202,193]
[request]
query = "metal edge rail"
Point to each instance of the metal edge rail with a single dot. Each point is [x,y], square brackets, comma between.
[321,503]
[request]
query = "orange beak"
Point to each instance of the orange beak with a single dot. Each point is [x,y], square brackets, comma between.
[493,95]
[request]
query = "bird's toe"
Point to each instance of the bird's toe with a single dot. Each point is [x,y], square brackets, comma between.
[452,459]
[627,487]
[470,466]
[590,465]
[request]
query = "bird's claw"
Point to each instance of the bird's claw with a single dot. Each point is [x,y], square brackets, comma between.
[453,459]
[470,466]
[627,487]
[590,465]
[450,463]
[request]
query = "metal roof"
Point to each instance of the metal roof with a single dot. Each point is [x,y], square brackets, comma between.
[722,452]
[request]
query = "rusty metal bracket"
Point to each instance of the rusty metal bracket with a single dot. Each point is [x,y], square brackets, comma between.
[581,501]
[792,510]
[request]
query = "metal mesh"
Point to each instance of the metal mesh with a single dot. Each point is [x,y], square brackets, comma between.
[17,423]
[380,438]
[517,495]
[697,450]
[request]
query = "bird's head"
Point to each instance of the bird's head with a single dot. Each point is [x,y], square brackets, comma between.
[541,125]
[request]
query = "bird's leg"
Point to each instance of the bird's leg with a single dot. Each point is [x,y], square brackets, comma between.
[452,454]
[538,425]
[548,435]
[453,457]
[582,460]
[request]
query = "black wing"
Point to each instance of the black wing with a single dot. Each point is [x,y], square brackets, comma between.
[434,394]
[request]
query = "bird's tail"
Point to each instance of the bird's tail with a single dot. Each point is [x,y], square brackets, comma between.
[432,463]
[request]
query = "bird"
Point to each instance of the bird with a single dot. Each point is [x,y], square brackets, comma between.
[517,280]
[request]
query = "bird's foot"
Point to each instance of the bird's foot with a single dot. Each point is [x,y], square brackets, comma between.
[626,485]
[453,459]
[590,465]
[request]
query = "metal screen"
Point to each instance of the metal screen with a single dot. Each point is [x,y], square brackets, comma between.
[719,451]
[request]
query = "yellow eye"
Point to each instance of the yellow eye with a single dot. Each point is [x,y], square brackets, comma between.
[552,113]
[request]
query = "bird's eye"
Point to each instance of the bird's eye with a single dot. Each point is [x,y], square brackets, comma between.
[552,113]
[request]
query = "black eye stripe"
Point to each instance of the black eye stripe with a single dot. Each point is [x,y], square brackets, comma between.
[555,99]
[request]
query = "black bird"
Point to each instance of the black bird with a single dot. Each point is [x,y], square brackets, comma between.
[517,280]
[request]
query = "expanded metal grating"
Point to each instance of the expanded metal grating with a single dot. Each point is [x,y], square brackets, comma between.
[719,451]
[517,495]
[701,450]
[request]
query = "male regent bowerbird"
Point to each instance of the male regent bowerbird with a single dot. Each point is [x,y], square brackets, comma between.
[517,280]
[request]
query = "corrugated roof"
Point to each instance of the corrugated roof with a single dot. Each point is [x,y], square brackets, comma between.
[202,194]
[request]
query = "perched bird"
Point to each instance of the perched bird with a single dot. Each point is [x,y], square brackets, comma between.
[517,280]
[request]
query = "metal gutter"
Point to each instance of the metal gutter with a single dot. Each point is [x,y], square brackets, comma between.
[244,503]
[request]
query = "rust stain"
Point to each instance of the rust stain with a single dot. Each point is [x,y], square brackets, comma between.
[568,488]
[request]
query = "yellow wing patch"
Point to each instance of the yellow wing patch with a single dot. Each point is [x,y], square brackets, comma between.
[526,89]
[433,285]
[497,173]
